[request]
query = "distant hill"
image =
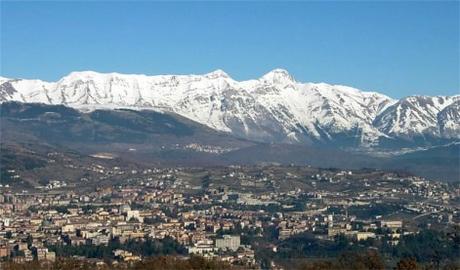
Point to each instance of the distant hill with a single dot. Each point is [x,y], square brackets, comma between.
[441,162]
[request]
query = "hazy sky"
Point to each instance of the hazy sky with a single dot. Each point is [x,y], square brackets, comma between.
[398,48]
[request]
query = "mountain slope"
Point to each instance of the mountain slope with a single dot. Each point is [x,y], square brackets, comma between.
[437,163]
[418,115]
[32,131]
[101,130]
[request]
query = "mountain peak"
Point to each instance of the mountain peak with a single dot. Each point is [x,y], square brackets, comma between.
[83,73]
[4,79]
[78,75]
[218,73]
[278,76]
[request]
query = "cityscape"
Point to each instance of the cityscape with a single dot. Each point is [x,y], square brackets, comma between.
[229,135]
[252,223]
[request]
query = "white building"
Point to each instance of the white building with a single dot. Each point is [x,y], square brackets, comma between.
[231,242]
[134,214]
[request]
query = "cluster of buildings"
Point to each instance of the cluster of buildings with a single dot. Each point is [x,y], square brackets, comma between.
[216,213]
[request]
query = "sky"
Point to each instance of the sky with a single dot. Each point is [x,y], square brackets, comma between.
[396,48]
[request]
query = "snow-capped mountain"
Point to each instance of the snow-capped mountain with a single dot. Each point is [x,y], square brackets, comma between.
[421,116]
[273,108]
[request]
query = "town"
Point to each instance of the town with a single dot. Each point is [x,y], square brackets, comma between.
[242,215]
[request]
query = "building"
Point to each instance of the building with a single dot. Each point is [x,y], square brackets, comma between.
[4,251]
[50,256]
[333,231]
[134,214]
[41,254]
[393,224]
[201,249]
[231,242]
[364,235]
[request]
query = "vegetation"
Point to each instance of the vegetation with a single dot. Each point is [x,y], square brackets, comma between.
[144,247]
[428,246]
[434,248]
[369,260]
[306,245]
[155,263]
[373,210]
[174,263]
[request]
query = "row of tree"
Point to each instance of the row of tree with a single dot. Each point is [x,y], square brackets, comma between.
[143,247]
[428,247]
[370,260]
[153,263]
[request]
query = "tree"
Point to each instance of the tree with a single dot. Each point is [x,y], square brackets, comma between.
[407,264]
[318,265]
[369,260]
[173,263]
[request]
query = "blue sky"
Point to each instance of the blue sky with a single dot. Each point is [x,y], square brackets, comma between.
[397,48]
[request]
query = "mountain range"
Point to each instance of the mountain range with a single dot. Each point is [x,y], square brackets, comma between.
[274,108]
[211,120]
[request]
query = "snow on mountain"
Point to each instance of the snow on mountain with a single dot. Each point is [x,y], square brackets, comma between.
[3,79]
[273,108]
[421,116]
[449,120]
